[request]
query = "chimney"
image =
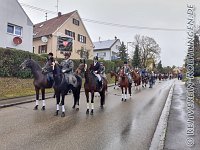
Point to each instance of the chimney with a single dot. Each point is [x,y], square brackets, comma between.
[59,14]
[115,38]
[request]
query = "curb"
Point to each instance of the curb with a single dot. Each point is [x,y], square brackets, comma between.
[158,139]
[32,100]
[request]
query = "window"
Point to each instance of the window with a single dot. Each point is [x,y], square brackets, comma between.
[13,29]
[81,38]
[70,33]
[76,22]
[42,49]
[101,54]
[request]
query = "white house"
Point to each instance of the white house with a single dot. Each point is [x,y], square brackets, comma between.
[16,27]
[107,50]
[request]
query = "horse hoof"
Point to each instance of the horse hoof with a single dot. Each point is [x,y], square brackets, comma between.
[63,114]
[101,106]
[43,108]
[91,113]
[77,109]
[73,107]
[56,113]
[87,111]
[125,100]
[36,107]
[122,99]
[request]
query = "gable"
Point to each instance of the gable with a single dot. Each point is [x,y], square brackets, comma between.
[50,26]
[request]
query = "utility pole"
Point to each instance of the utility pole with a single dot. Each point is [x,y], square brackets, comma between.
[57,6]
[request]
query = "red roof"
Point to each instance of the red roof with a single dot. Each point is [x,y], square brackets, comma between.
[50,26]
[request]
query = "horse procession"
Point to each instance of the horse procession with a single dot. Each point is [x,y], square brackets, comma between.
[63,79]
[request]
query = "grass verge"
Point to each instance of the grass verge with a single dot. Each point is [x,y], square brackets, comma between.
[16,87]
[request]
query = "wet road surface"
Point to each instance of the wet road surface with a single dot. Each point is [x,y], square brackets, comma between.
[120,125]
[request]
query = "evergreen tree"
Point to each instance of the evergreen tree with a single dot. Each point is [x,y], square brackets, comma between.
[136,57]
[122,52]
[159,67]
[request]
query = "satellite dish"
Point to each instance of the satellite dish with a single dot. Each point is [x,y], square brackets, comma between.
[44,39]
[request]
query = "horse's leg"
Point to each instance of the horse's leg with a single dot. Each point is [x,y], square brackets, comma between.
[122,93]
[125,95]
[43,99]
[102,102]
[57,102]
[37,99]
[74,95]
[63,104]
[78,98]
[129,88]
[87,98]
[92,102]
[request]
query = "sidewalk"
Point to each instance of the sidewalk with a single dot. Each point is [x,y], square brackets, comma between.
[28,99]
[177,122]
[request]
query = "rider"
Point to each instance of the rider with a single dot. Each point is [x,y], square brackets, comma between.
[50,74]
[127,71]
[67,68]
[102,70]
[95,68]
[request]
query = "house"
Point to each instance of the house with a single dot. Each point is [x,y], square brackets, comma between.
[16,27]
[63,33]
[107,50]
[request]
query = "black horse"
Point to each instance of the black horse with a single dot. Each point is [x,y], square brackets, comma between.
[62,87]
[40,80]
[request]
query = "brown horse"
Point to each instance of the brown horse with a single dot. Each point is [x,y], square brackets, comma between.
[124,84]
[113,74]
[91,86]
[136,78]
[40,81]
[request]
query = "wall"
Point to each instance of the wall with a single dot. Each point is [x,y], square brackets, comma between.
[12,12]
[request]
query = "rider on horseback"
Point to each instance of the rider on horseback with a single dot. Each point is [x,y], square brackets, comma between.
[95,68]
[50,74]
[67,68]
[127,71]
[102,70]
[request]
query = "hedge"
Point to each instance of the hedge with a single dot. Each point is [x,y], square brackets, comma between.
[11,59]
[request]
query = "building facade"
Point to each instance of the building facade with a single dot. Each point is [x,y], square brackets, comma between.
[46,35]
[16,27]
[107,50]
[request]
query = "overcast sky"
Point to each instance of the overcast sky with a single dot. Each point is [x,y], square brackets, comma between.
[148,13]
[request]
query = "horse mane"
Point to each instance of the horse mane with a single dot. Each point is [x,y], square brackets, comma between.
[36,65]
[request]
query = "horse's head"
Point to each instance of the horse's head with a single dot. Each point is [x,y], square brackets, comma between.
[121,72]
[28,63]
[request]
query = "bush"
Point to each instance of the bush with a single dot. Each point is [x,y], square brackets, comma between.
[11,59]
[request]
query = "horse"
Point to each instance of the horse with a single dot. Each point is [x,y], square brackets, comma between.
[113,74]
[124,84]
[62,87]
[40,81]
[137,79]
[91,86]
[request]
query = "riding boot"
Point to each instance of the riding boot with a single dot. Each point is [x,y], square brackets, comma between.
[100,85]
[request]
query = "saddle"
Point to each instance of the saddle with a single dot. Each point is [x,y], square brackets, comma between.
[71,79]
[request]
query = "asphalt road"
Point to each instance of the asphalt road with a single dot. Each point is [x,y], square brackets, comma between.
[120,125]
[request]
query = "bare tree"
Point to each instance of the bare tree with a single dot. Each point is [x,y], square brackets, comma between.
[148,49]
